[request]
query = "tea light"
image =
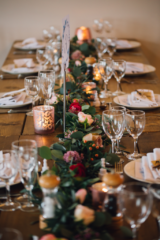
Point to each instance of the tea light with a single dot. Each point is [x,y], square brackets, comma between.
[43,117]
[83,34]
[99,191]
[88,89]
[97,77]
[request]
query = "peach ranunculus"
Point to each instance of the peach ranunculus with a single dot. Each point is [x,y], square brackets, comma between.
[95,138]
[53,100]
[81,195]
[84,213]
[82,118]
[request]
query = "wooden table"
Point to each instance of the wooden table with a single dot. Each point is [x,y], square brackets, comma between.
[19,126]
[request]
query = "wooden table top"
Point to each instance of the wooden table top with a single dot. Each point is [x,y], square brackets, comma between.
[19,126]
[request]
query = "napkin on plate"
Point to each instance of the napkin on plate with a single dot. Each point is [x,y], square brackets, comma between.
[123,44]
[147,171]
[135,99]
[30,43]
[13,98]
[132,67]
[154,171]
[24,62]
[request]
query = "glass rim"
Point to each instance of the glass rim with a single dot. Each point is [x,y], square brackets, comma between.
[46,71]
[136,184]
[13,144]
[31,77]
[121,112]
[136,111]
[120,60]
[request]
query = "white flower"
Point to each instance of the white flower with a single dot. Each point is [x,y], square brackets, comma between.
[77,63]
[84,213]
[93,137]
[82,117]
[81,195]
[53,100]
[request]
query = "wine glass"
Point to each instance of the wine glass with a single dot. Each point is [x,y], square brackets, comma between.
[46,84]
[98,26]
[155,190]
[10,233]
[41,57]
[27,156]
[135,200]
[100,46]
[119,68]
[31,86]
[120,136]
[111,45]
[113,124]
[135,123]
[107,26]
[8,171]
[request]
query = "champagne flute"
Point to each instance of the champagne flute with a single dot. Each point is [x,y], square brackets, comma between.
[111,46]
[135,200]
[119,68]
[8,171]
[155,190]
[100,46]
[31,86]
[46,84]
[113,124]
[135,123]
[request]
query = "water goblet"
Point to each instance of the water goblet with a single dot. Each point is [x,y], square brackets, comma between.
[111,45]
[135,201]
[120,136]
[8,171]
[98,26]
[27,156]
[41,57]
[107,26]
[119,68]
[10,233]
[100,46]
[135,123]
[31,86]
[113,124]
[46,84]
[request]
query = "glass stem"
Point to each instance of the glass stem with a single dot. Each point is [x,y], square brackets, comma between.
[135,145]
[33,103]
[118,87]
[113,145]
[117,145]
[158,222]
[134,232]
[8,192]
[106,86]
[30,196]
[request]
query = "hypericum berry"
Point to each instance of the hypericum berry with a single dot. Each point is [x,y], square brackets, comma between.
[96,155]
[97,147]
[85,141]
[90,148]
[92,159]
[93,145]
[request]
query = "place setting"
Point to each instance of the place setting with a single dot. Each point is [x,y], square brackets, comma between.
[29,44]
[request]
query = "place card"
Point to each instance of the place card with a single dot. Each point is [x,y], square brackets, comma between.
[65,43]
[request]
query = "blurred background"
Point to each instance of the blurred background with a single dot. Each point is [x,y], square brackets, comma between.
[138,19]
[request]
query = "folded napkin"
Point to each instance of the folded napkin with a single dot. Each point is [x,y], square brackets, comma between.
[147,171]
[132,67]
[123,44]
[30,43]
[23,63]
[139,172]
[154,171]
[11,98]
[141,100]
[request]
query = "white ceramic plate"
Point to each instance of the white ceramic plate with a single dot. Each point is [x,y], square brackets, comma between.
[123,101]
[8,69]
[18,45]
[129,170]
[28,100]
[146,69]
[134,44]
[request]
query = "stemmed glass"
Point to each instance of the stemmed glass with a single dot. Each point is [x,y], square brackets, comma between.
[107,26]
[111,45]
[135,200]
[46,84]
[135,123]
[100,46]
[31,86]
[26,151]
[10,233]
[113,124]
[98,26]
[155,190]
[119,68]
[8,171]
[41,57]
[120,136]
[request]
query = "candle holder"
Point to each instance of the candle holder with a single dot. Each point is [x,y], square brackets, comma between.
[88,86]
[43,117]
[83,34]
[99,191]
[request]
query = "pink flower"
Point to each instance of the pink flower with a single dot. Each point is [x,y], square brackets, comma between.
[68,133]
[81,195]
[82,117]
[53,100]
[84,213]
[95,138]
[77,63]
[72,156]
[77,55]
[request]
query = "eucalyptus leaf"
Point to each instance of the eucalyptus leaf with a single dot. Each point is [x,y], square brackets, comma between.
[84,107]
[77,135]
[57,154]
[45,152]
[57,146]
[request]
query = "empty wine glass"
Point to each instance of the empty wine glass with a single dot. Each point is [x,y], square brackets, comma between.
[113,124]
[41,57]
[120,136]
[46,84]
[100,46]
[155,190]
[107,26]
[111,45]
[31,86]
[119,68]
[10,233]
[8,171]
[135,123]
[135,200]
[98,26]
[27,156]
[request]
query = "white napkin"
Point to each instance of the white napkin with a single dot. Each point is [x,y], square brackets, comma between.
[139,172]
[137,100]
[24,62]
[150,157]
[147,172]
[30,43]
[132,67]
[156,152]
[13,100]
[123,44]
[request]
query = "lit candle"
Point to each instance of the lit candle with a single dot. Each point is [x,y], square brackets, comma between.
[97,77]
[83,34]
[43,119]
[88,86]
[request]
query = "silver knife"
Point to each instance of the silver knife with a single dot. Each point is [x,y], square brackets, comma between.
[16,111]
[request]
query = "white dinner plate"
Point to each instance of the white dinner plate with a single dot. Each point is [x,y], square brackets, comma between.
[146,69]
[18,45]
[8,69]
[134,44]
[123,101]
[28,100]
[129,170]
